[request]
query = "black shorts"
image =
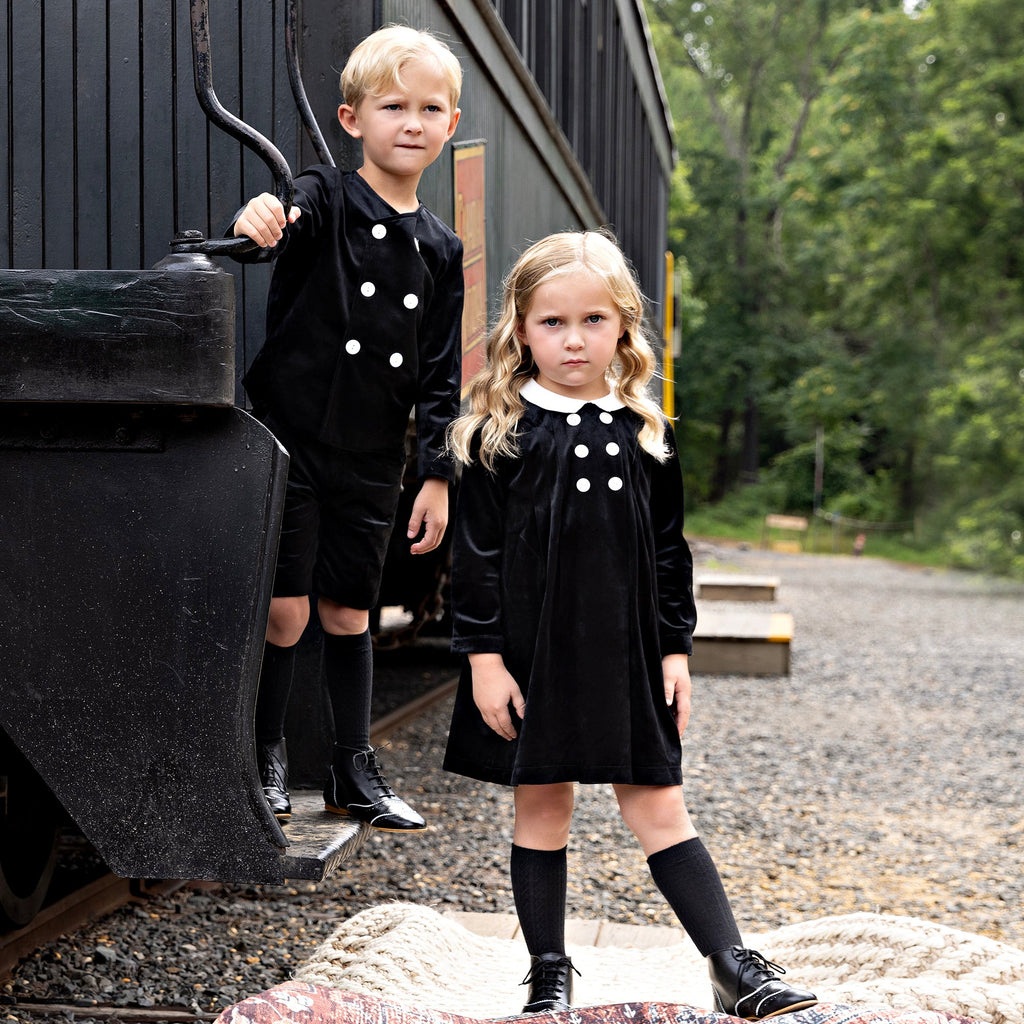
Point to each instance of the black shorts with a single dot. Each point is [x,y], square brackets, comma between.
[339,510]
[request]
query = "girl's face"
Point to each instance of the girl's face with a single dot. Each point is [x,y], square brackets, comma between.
[572,327]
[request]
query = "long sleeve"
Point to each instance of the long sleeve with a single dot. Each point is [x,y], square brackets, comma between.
[477,550]
[440,376]
[677,612]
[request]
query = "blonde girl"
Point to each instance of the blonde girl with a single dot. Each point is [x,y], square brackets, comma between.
[573,604]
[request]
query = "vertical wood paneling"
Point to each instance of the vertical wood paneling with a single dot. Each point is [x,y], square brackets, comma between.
[6,168]
[92,184]
[156,175]
[57,223]
[261,28]
[107,152]
[26,142]
[124,136]
[191,157]
[224,156]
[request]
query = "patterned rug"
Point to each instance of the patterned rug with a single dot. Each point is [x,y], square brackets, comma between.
[407,964]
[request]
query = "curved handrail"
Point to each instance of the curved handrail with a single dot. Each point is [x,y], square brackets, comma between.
[202,62]
[299,90]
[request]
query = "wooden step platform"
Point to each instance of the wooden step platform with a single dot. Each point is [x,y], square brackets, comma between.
[741,642]
[729,587]
[578,931]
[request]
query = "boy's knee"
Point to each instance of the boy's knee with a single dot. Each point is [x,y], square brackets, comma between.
[287,621]
[339,620]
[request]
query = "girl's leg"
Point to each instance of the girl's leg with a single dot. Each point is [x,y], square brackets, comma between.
[537,868]
[680,865]
[537,865]
[744,983]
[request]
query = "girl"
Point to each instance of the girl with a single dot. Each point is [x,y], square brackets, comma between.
[572,599]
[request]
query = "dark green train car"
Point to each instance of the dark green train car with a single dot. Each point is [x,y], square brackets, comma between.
[140,503]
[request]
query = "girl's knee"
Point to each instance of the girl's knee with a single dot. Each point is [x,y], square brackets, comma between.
[543,815]
[653,807]
[287,621]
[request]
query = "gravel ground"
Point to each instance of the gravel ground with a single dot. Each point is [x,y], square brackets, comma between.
[883,774]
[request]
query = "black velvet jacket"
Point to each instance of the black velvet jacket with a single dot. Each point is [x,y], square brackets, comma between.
[364,321]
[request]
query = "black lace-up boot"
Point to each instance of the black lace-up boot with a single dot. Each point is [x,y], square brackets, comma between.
[272,764]
[356,786]
[747,985]
[550,981]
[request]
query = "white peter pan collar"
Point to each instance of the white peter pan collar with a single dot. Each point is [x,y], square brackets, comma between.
[537,394]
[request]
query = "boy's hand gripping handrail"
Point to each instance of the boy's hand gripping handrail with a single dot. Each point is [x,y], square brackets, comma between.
[284,187]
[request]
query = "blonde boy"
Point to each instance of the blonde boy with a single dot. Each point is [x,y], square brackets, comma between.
[363,323]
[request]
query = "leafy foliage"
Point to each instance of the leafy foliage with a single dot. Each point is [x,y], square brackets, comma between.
[850,204]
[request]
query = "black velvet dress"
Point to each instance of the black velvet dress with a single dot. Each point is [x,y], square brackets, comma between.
[571,562]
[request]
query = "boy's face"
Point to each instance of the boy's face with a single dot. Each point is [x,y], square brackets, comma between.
[405,129]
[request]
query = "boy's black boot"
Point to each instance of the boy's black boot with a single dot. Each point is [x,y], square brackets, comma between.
[272,763]
[747,985]
[356,786]
[550,981]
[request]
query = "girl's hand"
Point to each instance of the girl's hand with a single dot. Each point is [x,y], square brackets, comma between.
[676,670]
[493,690]
[263,220]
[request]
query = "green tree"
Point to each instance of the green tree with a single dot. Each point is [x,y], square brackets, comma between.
[743,77]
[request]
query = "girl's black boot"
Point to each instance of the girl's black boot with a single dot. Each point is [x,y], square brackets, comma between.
[550,981]
[747,985]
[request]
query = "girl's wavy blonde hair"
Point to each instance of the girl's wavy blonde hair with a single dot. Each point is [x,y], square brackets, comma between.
[494,403]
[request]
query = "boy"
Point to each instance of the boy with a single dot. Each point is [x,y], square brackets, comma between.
[363,322]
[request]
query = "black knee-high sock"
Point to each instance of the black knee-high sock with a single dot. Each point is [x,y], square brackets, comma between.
[272,695]
[689,880]
[348,665]
[538,884]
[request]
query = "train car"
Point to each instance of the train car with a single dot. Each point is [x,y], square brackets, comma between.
[141,502]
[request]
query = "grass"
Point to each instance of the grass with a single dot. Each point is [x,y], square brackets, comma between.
[709,524]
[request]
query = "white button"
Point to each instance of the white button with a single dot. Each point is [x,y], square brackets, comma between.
[352,346]
[611,448]
[606,417]
[582,451]
[378,231]
[368,288]
[615,483]
[573,419]
[396,359]
[583,485]
[411,301]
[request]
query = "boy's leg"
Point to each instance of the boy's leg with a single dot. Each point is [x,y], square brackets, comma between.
[355,784]
[288,616]
[361,494]
[537,870]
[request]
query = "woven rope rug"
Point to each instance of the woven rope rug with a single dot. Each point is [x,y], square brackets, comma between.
[412,955]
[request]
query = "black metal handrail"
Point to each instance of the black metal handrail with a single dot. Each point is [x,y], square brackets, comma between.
[299,90]
[284,187]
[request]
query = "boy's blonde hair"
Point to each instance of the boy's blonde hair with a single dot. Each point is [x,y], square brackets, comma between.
[375,65]
[494,403]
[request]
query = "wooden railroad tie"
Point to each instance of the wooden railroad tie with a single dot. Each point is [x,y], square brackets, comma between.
[742,642]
